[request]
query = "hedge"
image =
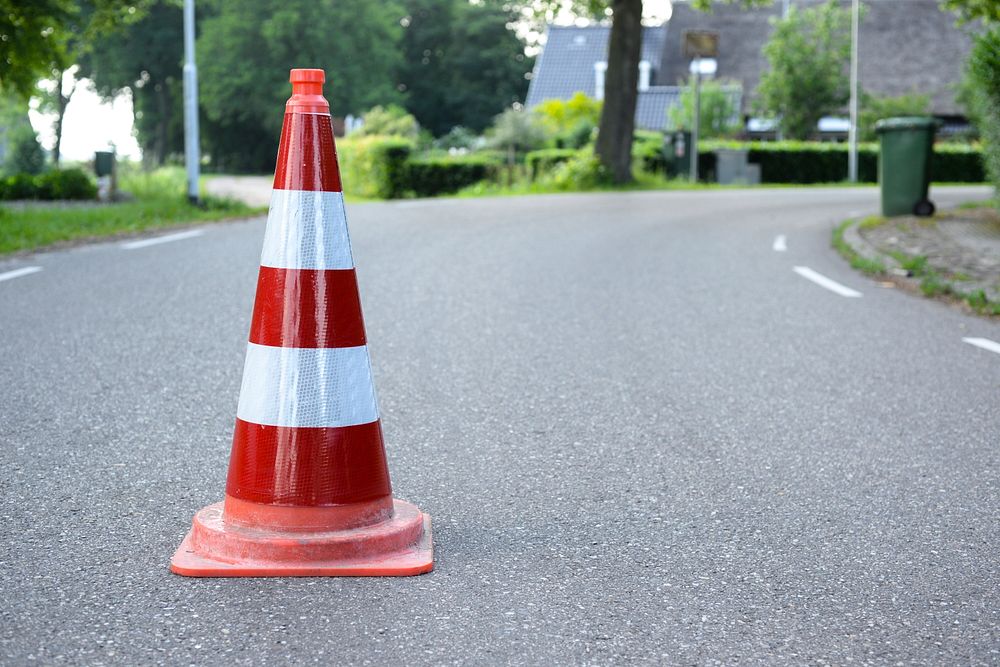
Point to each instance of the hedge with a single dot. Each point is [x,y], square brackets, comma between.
[427,177]
[52,185]
[539,162]
[374,166]
[823,162]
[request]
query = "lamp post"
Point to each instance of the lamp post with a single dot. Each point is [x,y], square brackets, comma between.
[192,155]
[852,133]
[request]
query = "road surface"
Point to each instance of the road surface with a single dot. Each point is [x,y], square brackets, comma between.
[661,428]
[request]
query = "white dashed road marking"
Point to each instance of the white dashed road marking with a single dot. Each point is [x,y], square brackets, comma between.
[984,343]
[17,273]
[823,281]
[779,243]
[132,245]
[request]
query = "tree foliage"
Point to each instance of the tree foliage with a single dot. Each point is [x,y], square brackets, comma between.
[984,94]
[246,50]
[461,64]
[874,109]
[719,117]
[970,10]
[144,58]
[516,131]
[389,121]
[32,41]
[808,55]
[571,122]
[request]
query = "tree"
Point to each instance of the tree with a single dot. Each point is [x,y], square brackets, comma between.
[145,58]
[461,64]
[617,124]
[874,109]
[32,39]
[807,54]
[970,10]
[389,121]
[719,115]
[246,49]
[984,94]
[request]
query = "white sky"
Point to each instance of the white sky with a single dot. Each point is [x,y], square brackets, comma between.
[92,124]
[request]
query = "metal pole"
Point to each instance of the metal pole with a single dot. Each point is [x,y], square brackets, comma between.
[785,8]
[192,155]
[852,138]
[696,121]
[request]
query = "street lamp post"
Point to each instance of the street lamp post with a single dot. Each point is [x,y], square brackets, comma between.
[696,121]
[852,138]
[192,155]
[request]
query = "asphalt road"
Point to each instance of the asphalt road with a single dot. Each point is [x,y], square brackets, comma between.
[642,435]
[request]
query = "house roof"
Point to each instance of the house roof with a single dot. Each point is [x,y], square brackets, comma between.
[566,63]
[905,46]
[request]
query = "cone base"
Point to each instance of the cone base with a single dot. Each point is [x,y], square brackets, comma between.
[398,547]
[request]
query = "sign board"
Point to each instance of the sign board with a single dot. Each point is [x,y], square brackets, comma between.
[701,44]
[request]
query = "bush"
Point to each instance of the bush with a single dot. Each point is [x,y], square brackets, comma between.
[374,166]
[958,163]
[428,177]
[984,75]
[26,155]
[582,172]
[66,184]
[57,184]
[541,162]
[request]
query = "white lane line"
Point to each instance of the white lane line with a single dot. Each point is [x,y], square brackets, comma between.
[779,243]
[823,281]
[17,273]
[132,245]
[984,343]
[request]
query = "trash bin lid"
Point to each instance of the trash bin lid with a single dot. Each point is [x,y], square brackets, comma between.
[906,123]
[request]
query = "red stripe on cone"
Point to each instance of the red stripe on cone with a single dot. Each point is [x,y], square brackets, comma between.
[307,308]
[307,155]
[307,467]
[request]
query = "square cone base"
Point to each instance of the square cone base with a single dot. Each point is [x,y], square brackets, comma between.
[398,547]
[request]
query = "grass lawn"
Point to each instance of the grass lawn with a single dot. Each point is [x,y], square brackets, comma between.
[158,203]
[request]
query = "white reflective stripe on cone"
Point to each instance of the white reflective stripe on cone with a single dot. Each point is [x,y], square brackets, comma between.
[290,386]
[307,230]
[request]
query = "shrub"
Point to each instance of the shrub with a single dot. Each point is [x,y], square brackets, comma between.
[427,177]
[570,122]
[26,155]
[582,172]
[57,184]
[720,110]
[389,121]
[374,166]
[984,74]
[66,184]
[540,162]
[958,163]
[874,109]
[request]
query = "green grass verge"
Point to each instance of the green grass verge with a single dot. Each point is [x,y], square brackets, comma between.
[158,203]
[872,267]
[932,282]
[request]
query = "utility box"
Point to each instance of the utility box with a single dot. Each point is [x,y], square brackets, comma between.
[677,153]
[733,167]
[104,169]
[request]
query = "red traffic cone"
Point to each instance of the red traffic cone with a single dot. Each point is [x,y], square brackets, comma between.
[308,492]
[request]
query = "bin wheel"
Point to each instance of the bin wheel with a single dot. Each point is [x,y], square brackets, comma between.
[924,208]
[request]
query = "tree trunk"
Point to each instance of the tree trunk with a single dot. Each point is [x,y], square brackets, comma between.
[62,101]
[162,124]
[614,135]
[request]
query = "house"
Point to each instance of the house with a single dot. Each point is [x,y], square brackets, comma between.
[905,46]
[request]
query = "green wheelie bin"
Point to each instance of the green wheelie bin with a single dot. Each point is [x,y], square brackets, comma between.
[904,164]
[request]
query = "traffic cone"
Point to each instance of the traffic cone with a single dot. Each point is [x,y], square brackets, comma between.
[308,491]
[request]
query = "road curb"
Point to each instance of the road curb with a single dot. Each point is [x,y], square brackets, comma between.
[857,243]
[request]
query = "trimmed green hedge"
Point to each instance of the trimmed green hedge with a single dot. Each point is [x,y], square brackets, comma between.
[374,166]
[539,162]
[822,162]
[52,185]
[427,177]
